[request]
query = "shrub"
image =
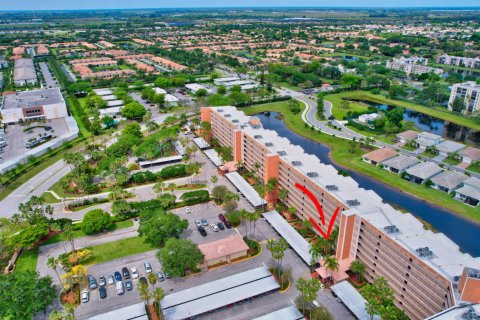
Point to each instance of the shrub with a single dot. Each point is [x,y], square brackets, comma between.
[234,218]
[177,170]
[96,221]
[194,197]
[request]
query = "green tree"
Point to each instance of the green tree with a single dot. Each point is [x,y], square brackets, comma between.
[133,110]
[218,193]
[52,263]
[23,294]
[201,93]
[152,279]
[160,226]
[144,293]
[378,295]
[214,180]
[358,268]
[330,263]
[158,295]
[96,221]
[180,255]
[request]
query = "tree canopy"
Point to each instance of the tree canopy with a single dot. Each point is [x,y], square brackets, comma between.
[158,226]
[96,221]
[178,256]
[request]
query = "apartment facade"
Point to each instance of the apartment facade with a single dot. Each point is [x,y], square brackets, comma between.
[473,63]
[467,92]
[412,66]
[423,268]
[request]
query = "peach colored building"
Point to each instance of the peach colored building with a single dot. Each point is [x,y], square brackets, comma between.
[426,270]
[223,250]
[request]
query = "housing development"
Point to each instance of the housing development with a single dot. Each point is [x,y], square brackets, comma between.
[239,163]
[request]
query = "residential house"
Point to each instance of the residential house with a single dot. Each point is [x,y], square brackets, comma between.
[400,163]
[448,180]
[448,147]
[426,139]
[469,155]
[422,172]
[3,63]
[406,136]
[378,156]
[469,192]
[171,101]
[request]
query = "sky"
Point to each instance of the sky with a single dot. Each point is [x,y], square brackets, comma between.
[132,4]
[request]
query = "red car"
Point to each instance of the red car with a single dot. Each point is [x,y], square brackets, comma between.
[222,217]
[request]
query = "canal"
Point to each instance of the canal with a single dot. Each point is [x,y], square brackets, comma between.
[462,231]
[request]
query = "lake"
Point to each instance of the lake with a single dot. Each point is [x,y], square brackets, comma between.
[461,230]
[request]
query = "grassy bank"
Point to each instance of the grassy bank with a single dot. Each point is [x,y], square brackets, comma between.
[27,261]
[341,154]
[376,98]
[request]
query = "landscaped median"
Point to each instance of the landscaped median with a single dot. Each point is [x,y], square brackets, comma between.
[360,95]
[344,155]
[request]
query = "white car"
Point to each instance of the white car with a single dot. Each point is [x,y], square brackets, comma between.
[214,227]
[187,210]
[110,279]
[134,273]
[85,296]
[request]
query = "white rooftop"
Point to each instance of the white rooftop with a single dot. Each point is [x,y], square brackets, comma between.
[288,313]
[352,299]
[214,157]
[135,311]
[201,143]
[103,92]
[457,312]
[246,189]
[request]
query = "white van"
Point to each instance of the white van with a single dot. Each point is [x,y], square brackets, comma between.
[120,288]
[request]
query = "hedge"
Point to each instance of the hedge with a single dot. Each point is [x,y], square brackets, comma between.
[194,197]
[177,170]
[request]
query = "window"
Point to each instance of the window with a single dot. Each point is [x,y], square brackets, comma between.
[405,282]
[409,268]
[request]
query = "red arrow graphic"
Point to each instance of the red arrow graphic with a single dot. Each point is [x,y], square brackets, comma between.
[320,212]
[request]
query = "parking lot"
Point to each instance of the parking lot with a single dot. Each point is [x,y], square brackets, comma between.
[16,136]
[48,77]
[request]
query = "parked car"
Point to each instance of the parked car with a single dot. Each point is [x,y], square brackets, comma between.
[134,273]
[228,224]
[92,283]
[125,273]
[222,217]
[148,267]
[198,223]
[221,226]
[128,285]
[101,281]
[167,276]
[160,276]
[85,296]
[204,222]
[110,279]
[119,287]
[142,279]
[102,292]
[202,231]
[118,276]
[187,210]
[214,227]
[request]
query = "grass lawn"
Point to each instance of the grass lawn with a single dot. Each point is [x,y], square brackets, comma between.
[42,165]
[451,161]
[287,85]
[27,261]
[341,154]
[49,198]
[117,249]
[409,147]
[376,98]
[80,233]
[338,112]
[474,167]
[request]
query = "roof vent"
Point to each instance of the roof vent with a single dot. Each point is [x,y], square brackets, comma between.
[282,153]
[227,115]
[268,144]
[257,136]
[391,229]
[424,252]
[312,174]
[471,314]
[220,110]
[331,187]
[353,203]
[235,120]
[296,163]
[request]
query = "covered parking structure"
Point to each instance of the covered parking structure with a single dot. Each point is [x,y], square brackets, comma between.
[159,162]
[288,313]
[214,157]
[201,143]
[135,311]
[294,239]
[352,299]
[217,294]
[247,190]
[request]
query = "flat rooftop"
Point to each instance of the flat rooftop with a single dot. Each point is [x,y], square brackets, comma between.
[352,299]
[246,189]
[33,98]
[288,313]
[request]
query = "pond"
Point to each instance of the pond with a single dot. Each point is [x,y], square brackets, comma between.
[435,125]
[461,230]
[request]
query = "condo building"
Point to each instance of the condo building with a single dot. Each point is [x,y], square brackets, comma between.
[469,93]
[473,63]
[426,270]
[413,65]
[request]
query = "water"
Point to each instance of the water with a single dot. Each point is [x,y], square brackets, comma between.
[437,126]
[462,231]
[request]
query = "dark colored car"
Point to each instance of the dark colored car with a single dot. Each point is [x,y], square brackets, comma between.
[129,285]
[228,224]
[125,273]
[102,292]
[92,283]
[118,276]
[222,217]
[101,281]
[142,279]
[202,231]
[334,294]
[221,226]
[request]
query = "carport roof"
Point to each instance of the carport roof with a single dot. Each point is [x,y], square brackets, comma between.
[135,311]
[201,143]
[219,293]
[246,189]
[294,239]
[288,313]
[352,299]
[214,157]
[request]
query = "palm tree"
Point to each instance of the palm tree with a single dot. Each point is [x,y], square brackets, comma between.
[214,180]
[254,217]
[52,263]
[67,235]
[358,268]
[316,253]
[301,286]
[330,263]
[158,187]
[145,295]
[158,295]
[152,278]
